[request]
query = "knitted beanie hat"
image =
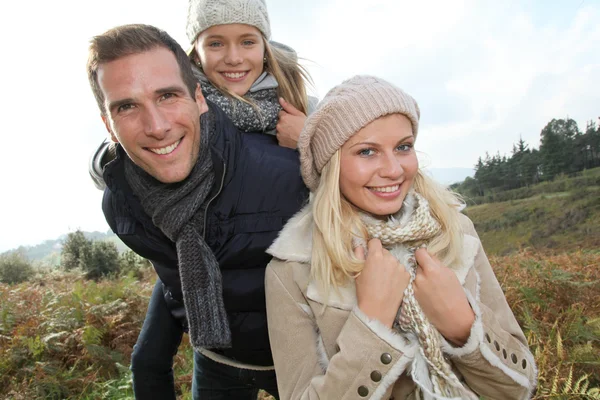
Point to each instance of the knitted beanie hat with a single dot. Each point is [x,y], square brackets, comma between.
[346,109]
[202,14]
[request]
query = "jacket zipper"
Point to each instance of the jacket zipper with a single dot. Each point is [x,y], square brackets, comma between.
[214,197]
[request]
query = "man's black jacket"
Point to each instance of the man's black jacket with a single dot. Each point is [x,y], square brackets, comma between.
[258,187]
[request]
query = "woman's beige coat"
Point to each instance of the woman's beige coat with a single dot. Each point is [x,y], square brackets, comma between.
[330,350]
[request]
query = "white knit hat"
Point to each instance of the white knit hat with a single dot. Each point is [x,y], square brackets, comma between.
[202,14]
[346,109]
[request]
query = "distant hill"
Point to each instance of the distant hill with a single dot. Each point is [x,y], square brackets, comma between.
[48,252]
[448,176]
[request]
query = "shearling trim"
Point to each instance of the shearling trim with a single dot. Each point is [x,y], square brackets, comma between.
[343,297]
[391,377]
[470,249]
[294,242]
[496,362]
[322,357]
[475,336]
[306,309]
[388,335]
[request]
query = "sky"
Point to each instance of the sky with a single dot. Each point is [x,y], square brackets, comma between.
[484,73]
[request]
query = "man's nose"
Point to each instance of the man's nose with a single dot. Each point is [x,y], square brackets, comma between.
[155,123]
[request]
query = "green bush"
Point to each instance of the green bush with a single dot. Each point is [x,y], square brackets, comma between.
[103,260]
[15,268]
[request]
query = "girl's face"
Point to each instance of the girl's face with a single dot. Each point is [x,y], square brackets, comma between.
[231,56]
[378,165]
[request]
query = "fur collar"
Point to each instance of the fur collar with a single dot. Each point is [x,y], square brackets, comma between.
[294,244]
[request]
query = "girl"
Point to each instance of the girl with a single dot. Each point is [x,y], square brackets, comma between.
[379,288]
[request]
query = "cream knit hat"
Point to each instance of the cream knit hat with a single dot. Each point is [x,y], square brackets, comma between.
[202,14]
[346,109]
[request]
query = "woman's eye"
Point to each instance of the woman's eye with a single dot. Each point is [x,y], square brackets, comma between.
[248,42]
[215,44]
[366,152]
[405,147]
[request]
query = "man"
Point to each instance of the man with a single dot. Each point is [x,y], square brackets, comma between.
[198,199]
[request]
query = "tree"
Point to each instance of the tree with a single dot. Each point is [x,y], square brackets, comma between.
[15,268]
[557,147]
[103,260]
[76,250]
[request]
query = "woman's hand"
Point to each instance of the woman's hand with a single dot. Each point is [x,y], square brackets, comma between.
[290,124]
[380,286]
[442,298]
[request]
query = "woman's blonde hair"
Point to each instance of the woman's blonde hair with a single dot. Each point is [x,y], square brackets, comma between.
[337,223]
[292,78]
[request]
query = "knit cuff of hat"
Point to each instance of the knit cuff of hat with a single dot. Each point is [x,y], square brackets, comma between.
[207,319]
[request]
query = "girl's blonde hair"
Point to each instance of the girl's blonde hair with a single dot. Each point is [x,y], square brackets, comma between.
[292,78]
[337,222]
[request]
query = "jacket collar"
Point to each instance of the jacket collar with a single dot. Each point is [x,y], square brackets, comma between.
[294,244]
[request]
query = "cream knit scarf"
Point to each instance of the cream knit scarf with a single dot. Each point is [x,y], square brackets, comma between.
[413,227]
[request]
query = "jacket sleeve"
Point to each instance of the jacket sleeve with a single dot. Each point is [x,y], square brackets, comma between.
[101,156]
[495,362]
[369,360]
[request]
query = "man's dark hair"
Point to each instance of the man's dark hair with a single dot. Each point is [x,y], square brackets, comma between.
[131,39]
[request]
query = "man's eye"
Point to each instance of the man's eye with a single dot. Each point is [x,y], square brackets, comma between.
[124,107]
[167,96]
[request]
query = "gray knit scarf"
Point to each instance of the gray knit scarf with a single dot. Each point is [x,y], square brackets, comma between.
[259,116]
[178,210]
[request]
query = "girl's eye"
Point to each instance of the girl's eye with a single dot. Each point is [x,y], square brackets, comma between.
[214,44]
[248,42]
[405,147]
[366,152]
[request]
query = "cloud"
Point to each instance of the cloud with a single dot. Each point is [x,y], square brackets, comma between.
[484,73]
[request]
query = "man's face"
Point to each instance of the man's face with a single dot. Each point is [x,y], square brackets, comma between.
[150,112]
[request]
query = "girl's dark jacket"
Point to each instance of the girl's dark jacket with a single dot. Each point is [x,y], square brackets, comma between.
[258,187]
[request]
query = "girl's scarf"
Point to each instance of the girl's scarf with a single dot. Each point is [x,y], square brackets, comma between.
[260,114]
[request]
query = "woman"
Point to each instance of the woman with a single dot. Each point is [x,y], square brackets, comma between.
[379,287]
[249,79]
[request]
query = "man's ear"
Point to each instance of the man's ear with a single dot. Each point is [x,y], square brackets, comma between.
[200,100]
[113,137]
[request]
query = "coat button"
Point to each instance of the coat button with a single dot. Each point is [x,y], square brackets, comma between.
[375,376]
[363,391]
[386,358]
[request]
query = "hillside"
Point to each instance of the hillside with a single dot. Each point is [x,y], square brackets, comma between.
[562,215]
[48,252]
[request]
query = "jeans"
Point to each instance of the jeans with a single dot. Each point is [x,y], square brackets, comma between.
[152,357]
[152,363]
[215,381]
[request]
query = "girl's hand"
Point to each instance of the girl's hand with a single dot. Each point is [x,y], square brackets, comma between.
[290,124]
[442,298]
[380,286]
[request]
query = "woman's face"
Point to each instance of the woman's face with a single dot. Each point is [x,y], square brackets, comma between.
[231,56]
[378,165]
